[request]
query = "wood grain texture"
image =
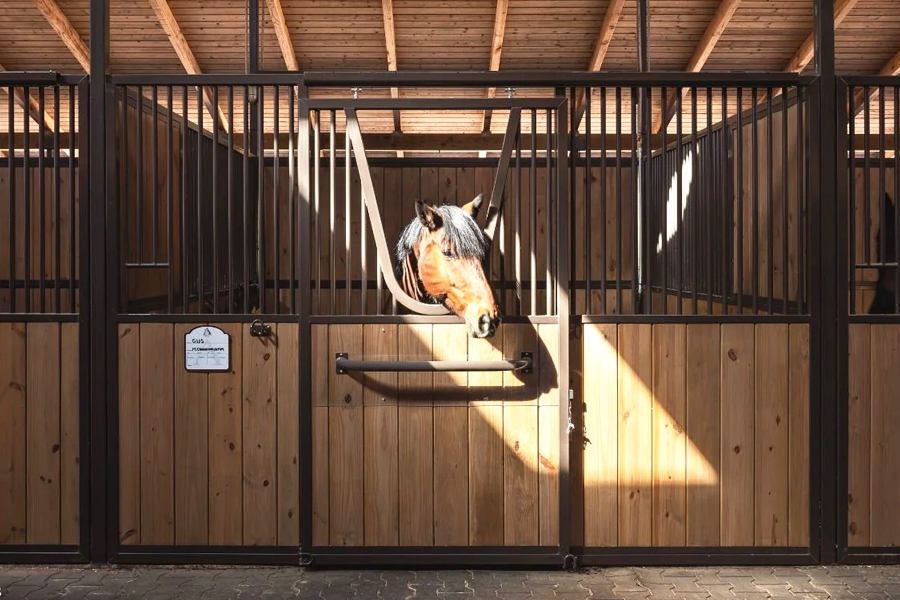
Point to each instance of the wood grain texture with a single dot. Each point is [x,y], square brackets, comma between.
[885,485]
[346,486]
[288,432]
[798,437]
[548,434]
[13,480]
[859,416]
[451,475]
[520,481]
[70,453]
[381,487]
[320,460]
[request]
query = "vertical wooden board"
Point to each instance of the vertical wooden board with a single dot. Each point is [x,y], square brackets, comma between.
[346,485]
[344,390]
[601,382]
[548,475]
[43,438]
[669,445]
[737,358]
[859,427]
[771,434]
[191,448]
[319,347]
[486,387]
[129,434]
[520,478]
[451,476]
[288,434]
[465,186]
[411,190]
[885,485]
[226,446]
[704,434]
[69,455]
[546,359]
[259,428]
[485,473]
[635,433]
[798,436]
[450,342]
[521,388]
[429,188]
[446,187]
[157,435]
[380,452]
[13,471]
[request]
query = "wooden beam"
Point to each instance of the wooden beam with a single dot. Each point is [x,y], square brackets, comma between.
[708,42]
[390,44]
[601,47]
[890,69]
[30,105]
[66,32]
[183,50]
[496,52]
[283,35]
[806,52]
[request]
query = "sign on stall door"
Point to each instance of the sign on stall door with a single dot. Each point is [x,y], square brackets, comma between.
[207,348]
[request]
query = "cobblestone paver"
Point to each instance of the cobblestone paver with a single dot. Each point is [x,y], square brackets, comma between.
[218,583]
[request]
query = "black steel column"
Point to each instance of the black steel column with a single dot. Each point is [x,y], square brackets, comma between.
[828,339]
[643,35]
[253,42]
[643,151]
[95,280]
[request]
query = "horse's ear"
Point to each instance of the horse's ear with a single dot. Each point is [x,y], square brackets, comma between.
[474,206]
[428,215]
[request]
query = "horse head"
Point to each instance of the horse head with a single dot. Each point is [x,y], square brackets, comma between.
[440,257]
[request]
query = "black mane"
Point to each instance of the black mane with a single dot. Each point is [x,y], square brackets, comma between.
[460,231]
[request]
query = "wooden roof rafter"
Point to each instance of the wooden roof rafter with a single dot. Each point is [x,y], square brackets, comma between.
[173,31]
[601,47]
[890,69]
[66,32]
[31,106]
[283,35]
[704,48]
[497,38]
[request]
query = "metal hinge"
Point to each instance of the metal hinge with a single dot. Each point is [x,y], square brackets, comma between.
[570,426]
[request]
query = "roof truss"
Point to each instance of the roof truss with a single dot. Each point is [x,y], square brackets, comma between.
[496,52]
[66,32]
[601,47]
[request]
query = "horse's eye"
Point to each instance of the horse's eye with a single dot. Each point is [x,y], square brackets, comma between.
[448,253]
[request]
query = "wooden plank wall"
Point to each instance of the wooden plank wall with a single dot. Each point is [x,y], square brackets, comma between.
[39,434]
[208,458]
[696,435]
[41,215]
[435,459]
[874,449]
[868,228]
[768,218]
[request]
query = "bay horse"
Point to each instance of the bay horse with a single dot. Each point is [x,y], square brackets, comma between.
[440,256]
[883,302]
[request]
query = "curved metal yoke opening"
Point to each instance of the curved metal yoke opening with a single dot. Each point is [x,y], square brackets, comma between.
[384,255]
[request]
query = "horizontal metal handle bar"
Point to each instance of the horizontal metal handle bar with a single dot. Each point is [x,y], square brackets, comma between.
[432,103]
[342,365]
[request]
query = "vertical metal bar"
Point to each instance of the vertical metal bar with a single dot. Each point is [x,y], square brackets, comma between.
[739,162]
[214,247]
[154,204]
[316,167]
[42,202]
[618,201]
[678,226]
[348,162]
[784,201]
[124,183]
[245,221]
[709,205]
[867,213]
[532,238]
[11,180]
[260,197]
[664,154]
[896,198]
[802,221]
[276,223]
[57,203]
[74,221]
[770,193]
[517,221]
[635,229]
[185,258]
[331,196]
[726,209]
[362,248]
[694,208]
[603,231]
[573,152]
[26,196]
[548,226]
[882,255]
[170,202]
[230,199]
[588,246]
[253,26]
[645,206]
[754,182]
[199,196]
[292,201]
[139,159]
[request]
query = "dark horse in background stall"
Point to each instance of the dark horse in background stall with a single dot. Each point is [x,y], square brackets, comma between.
[885,288]
[440,256]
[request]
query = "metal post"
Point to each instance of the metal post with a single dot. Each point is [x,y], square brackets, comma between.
[253,43]
[102,297]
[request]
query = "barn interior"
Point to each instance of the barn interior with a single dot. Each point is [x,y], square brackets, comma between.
[667,173]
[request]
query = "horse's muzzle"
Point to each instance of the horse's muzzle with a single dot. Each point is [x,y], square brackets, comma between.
[485,328]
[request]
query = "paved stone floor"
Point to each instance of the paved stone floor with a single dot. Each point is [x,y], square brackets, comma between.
[180,583]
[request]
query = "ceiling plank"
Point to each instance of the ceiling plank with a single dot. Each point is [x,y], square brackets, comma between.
[497,38]
[704,48]
[183,50]
[283,34]
[601,47]
[66,32]
[890,69]
[30,105]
